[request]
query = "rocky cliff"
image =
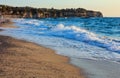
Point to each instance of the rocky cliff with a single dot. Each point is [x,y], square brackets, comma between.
[29,12]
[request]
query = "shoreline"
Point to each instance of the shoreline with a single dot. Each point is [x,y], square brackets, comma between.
[7,23]
[25,59]
[97,68]
[89,68]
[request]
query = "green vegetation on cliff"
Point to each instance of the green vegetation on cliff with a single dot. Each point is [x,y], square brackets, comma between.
[29,12]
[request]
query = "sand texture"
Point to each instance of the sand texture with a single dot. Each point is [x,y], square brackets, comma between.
[21,59]
[7,24]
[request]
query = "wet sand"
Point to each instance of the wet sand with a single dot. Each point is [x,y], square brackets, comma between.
[21,59]
[7,24]
[98,68]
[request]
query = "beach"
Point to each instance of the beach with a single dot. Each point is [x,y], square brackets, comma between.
[21,59]
[98,68]
[86,59]
[59,39]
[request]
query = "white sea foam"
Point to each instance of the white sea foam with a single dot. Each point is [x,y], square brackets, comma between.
[68,40]
[74,42]
[73,32]
[29,22]
[76,33]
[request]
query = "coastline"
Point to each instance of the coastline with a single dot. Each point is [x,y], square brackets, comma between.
[98,68]
[25,59]
[90,68]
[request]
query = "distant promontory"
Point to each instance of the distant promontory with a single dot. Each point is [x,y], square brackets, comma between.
[30,12]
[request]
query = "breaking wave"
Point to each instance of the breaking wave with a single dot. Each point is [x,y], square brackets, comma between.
[72,32]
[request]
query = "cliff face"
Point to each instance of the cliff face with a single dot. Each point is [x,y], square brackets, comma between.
[29,12]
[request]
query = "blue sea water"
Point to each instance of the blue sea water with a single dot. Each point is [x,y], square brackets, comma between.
[91,38]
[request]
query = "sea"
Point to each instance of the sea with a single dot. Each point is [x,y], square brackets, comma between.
[92,44]
[89,38]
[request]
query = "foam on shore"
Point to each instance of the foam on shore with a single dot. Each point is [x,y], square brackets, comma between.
[96,60]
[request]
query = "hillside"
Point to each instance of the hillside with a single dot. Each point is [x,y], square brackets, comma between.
[30,12]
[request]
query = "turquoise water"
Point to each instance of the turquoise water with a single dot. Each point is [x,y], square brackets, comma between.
[92,38]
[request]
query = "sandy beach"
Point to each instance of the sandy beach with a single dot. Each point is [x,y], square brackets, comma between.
[21,59]
[59,39]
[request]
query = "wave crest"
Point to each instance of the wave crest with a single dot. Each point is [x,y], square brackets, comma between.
[72,32]
[77,33]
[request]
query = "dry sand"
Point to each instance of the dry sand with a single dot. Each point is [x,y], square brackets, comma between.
[21,59]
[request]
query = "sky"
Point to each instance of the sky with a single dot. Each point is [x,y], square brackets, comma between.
[109,8]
